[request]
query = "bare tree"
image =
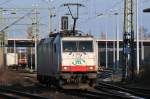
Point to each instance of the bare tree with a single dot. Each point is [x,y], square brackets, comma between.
[29,33]
[143,33]
[103,36]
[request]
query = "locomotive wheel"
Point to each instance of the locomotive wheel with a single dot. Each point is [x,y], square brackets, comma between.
[48,85]
[59,84]
[92,83]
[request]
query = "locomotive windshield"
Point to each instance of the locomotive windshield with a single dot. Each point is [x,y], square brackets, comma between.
[77,46]
[69,46]
[85,46]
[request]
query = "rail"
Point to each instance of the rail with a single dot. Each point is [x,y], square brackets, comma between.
[14,94]
[123,90]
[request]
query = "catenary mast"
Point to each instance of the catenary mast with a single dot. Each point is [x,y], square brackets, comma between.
[128,41]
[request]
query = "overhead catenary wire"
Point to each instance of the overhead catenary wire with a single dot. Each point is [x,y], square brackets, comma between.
[16,21]
[5,2]
[107,11]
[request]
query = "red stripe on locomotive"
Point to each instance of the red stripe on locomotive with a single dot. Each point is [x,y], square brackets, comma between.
[78,68]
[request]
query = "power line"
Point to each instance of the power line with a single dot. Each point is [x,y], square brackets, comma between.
[107,11]
[113,6]
[16,21]
[145,1]
[7,1]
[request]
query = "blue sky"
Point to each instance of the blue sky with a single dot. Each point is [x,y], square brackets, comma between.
[88,21]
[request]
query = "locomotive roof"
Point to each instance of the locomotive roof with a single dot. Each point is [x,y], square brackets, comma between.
[45,40]
[69,33]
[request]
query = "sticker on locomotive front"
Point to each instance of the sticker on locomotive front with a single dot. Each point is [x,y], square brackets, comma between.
[79,61]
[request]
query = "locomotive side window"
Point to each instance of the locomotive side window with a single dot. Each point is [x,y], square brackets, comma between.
[85,46]
[69,46]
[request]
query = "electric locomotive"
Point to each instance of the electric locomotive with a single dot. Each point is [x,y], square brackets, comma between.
[67,59]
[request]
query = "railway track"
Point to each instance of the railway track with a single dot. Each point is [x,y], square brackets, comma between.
[103,91]
[139,90]
[93,94]
[122,91]
[15,94]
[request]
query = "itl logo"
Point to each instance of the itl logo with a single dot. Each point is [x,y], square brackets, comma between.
[78,61]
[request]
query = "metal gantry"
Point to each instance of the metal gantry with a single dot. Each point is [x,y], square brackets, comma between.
[35,31]
[128,39]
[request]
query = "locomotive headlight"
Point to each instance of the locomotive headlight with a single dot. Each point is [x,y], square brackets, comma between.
[65,68]
[91,68]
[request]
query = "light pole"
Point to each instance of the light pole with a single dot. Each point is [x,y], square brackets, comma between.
[35,38]
[137,37]
[35,31]
[116,36]
[106,49]
[117,41]
[117,28]
[50,16]
[116,48]
[114,45]
[106,43]
[31,59]
[15,50]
